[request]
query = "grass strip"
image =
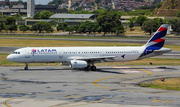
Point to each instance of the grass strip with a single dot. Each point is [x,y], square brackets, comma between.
[59,43]
[168,84]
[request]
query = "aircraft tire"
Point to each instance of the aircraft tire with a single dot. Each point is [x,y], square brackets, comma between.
[26,68]
[93,68]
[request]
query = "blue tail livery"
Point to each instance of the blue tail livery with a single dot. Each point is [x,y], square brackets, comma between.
[157,41]
[155,45]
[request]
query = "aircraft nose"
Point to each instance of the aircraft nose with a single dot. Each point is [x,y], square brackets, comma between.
[10,58]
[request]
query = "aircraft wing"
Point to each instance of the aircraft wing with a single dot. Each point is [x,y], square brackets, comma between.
[100,58]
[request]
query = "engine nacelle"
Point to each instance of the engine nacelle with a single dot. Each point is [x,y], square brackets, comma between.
[78,64]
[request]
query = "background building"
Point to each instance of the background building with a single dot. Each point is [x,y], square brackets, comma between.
[22,9]
[30,8]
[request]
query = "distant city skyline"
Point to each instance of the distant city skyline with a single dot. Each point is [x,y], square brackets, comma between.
[36,1]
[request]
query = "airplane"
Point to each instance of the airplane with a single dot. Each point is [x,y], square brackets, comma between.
[86,57]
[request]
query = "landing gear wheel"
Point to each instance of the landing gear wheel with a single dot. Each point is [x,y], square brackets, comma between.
[93,68]
[26,68]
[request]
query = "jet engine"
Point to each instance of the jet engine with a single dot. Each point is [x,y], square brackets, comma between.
[78,64]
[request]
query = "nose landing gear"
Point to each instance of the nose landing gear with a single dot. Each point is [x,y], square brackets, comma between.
[26,67]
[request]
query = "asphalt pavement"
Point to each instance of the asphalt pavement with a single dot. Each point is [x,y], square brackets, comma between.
[109,86]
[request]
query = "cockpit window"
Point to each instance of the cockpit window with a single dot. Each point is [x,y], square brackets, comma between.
[16,53]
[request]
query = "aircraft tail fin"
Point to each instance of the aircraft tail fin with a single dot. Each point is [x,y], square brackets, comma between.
[158,39]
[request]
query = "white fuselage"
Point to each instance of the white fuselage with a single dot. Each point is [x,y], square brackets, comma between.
[65,54]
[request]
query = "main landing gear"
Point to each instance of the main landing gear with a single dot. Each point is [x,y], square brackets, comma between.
[92,68]
[26,67]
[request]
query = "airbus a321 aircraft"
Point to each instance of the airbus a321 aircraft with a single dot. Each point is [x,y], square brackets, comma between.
[86,57]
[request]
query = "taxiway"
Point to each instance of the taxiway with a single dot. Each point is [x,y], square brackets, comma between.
[109,86]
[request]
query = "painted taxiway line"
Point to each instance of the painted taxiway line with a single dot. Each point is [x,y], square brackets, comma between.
[95,82]
[148,72]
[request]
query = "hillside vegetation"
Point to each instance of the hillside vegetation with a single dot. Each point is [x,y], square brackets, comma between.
[171,4]
[168,8]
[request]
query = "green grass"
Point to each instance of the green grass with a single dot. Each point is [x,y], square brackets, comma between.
[69,37]
[58,43]
[168,84]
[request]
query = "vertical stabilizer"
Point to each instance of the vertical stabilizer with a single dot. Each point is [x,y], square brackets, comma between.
[158,39]
[155,43]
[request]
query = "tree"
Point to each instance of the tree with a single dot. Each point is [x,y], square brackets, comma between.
[140,19]
[42,26]
[62,26]
[109,21]
[151,25]
[176,25]
[131,25]
[23,28]
[119,29]
[76,27]
[56,2]
[1,26]
[6,28]
[131,22]
[70,29]
[45,15]
[17,15]
[11,21]
[178,14]
[89,27]
[82,28]
[159,5]
[95,27]
[159,21]
[54,22]
[36,16]
[86,26]
[13,28]
[99,29]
